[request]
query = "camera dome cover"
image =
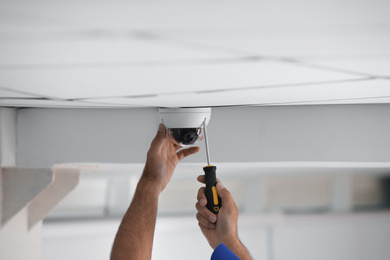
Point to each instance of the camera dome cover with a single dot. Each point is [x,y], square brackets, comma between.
[185,136]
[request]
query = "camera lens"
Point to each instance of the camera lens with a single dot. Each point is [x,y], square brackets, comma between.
[185,136]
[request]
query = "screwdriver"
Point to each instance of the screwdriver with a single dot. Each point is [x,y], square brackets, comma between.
[213,200]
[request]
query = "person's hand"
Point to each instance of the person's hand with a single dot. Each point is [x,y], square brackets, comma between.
[162,158]
[221,228]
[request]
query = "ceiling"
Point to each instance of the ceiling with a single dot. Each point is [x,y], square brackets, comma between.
[193,53]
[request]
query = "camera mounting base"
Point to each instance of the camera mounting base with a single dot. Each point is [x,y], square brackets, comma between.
[184,117]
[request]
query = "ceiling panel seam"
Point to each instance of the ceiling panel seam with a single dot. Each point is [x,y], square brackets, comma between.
[282,58]
[21,92]
[230,89]
[334,69]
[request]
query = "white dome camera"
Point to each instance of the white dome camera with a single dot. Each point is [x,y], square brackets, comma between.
[185,125]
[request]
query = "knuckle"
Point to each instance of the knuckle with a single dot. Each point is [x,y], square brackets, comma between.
[197,206]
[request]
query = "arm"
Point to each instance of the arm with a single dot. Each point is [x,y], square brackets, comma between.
[134,239]
[221,228]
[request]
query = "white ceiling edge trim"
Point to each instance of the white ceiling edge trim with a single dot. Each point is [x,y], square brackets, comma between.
[42,103]
[15,103]
[363,101]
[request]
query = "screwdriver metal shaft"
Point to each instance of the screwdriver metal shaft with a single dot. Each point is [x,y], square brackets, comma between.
[206,142]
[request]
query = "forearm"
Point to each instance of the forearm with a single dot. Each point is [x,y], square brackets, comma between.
[134,239]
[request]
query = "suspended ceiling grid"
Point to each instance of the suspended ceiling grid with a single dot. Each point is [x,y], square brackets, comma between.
[193,53]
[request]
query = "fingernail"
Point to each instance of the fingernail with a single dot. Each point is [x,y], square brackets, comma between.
[213,219]
[160,128]
[202,202]
[212,226]
[220,185]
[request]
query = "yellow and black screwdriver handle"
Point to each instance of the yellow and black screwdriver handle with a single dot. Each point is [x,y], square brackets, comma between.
[213,200]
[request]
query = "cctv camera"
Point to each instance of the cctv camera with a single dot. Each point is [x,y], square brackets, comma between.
[185,125]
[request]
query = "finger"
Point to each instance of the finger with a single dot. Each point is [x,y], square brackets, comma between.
[174,144]
[160,137]
[187,152]
[202,179]
[207,224]
[205,229]
[207,214]
[204,222]
[202,197]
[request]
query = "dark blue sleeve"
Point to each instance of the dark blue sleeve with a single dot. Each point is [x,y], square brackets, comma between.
[222,252]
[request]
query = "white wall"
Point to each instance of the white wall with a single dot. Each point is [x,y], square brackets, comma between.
[49,136]
[175,238]
[338,237]
[355,133]
[320,237]
[7,136]
[301,133]
[19,242]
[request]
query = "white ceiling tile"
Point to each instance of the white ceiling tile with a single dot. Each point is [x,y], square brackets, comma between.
[354,92]
[378,67]
[20,18]
[104,52]
[73,83]
[293,41]
[179,14]
[276,31]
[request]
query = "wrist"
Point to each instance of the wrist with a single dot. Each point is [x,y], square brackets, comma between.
[238,248]
[148,186]
[233,242]
[151,180]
